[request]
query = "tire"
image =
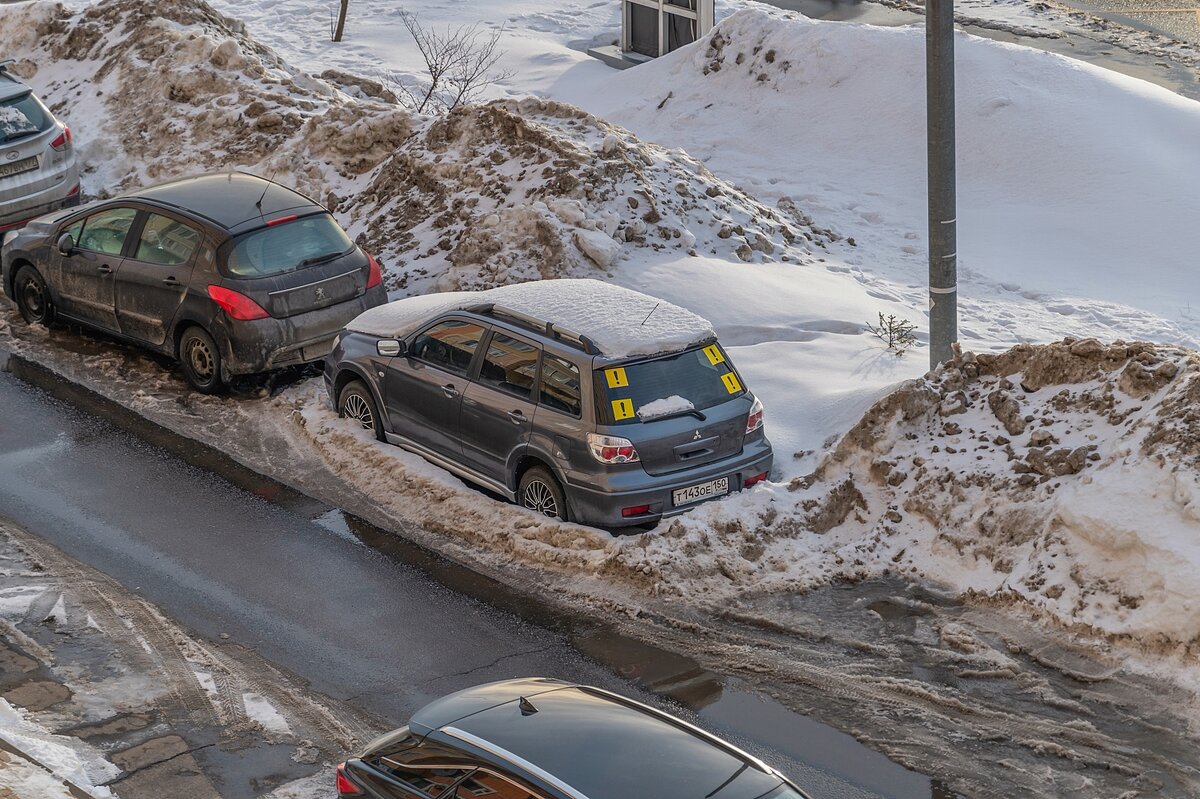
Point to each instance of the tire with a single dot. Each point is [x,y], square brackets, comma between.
[33,297]
[200,360]
[355,402]
[539,491]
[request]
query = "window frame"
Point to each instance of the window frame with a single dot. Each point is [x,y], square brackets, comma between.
[477,373]
[135,229]
[473,367]
[541,375]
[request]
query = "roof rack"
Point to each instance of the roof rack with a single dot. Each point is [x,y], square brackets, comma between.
[549,328]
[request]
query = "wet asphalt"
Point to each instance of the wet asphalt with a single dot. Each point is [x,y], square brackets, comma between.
[357,612]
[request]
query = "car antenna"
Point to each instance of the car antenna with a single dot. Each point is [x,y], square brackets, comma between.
[652,310]
[263,196]
[527,708]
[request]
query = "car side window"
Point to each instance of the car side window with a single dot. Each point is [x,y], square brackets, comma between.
[166,241]
[450,345]
[510,365]
[75,231]
[559,387]
[105,232]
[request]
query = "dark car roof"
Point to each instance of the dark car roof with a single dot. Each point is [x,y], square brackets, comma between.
[230,199]
[596,744]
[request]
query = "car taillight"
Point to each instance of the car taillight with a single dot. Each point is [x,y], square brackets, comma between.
[73,191]
[63,139]
[755,420]
[235,305]
[612,449]
[758,478]
[344,786]
[375,276]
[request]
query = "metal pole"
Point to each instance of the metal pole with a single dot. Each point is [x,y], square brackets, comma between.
[943,245]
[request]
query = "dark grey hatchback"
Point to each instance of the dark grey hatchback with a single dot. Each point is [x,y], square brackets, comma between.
[545,739]
[231,274]
[576,398]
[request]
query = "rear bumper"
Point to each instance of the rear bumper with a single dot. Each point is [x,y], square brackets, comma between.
[265,344]
[601,506]
[17,207]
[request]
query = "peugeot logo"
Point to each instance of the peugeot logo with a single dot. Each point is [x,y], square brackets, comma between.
[320,294]
[11,155]
[697,437]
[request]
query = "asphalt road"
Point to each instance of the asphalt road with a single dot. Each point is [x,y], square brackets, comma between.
[343,605]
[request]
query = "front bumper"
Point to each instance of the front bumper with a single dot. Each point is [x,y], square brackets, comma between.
[602,507]
[265,344]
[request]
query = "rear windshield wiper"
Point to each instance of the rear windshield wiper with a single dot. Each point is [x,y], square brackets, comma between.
[676,414]
[320,259]
[20,134]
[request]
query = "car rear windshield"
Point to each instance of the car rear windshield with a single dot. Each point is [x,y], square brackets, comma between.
[23,116]
[694,379]
[287,246]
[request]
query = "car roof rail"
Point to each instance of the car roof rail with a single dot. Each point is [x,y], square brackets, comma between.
[6,63]
[549,328]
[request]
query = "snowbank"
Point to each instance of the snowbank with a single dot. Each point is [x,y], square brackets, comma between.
[49,760]
[620,322]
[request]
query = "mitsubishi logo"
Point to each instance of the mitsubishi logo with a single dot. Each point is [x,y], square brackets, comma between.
[320,293]
[697,437]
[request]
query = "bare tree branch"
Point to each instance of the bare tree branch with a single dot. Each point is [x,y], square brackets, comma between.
[459,64]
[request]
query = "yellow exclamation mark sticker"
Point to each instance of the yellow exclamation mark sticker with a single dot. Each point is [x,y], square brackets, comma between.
[622,409]
[731,382]
[616,378]
[714,355]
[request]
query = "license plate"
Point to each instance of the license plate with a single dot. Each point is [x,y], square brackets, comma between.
[713,488]
[318,351]
[17,167]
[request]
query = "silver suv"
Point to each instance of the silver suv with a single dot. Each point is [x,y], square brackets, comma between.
[38,170]
[575,398]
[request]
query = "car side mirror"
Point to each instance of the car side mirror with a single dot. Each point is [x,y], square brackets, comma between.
[66,244]
[389,347]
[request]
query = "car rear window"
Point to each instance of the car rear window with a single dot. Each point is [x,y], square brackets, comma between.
[22,116]
[287,246]
[697,378]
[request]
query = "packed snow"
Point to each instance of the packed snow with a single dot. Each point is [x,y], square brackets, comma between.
[50,761]
[12,122]
[620,322]
[665,407]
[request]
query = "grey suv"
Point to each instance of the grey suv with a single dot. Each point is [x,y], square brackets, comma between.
[555,395]
[38,170]
[231,274]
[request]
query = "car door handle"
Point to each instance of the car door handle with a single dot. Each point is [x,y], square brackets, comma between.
[449,390]
[104,269]
[517,417]
[171,281]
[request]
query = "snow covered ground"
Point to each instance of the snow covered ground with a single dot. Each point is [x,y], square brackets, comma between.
[792,215]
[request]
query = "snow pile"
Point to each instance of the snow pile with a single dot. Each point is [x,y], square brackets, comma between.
[1065,476]
[13,120]
[521,190]
[51,759]
[665,407]
[620,322]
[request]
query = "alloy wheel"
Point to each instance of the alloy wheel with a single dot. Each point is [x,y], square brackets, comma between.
[355,407]
[540,498]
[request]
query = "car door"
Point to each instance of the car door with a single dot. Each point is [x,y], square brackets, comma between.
[84,280]
[423,389]
[498,405]
[153,280]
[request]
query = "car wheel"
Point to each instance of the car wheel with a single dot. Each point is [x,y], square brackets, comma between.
[540,492]
[355,402]
[33,297]
[201,361]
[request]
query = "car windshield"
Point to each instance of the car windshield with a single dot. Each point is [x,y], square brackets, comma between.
[22,116]
[669,386]
[287,246]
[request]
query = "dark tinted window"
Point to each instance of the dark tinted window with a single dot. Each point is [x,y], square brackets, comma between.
[450,345]
[702,377]
[560,386]
[105,232]
[510,365]
[166,241]
[287,246]
[22,116]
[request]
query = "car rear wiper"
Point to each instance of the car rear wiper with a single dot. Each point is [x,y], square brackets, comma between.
[676,414]
[20,134]
[319,259]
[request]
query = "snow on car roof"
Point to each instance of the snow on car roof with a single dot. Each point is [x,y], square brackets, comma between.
[619,321]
